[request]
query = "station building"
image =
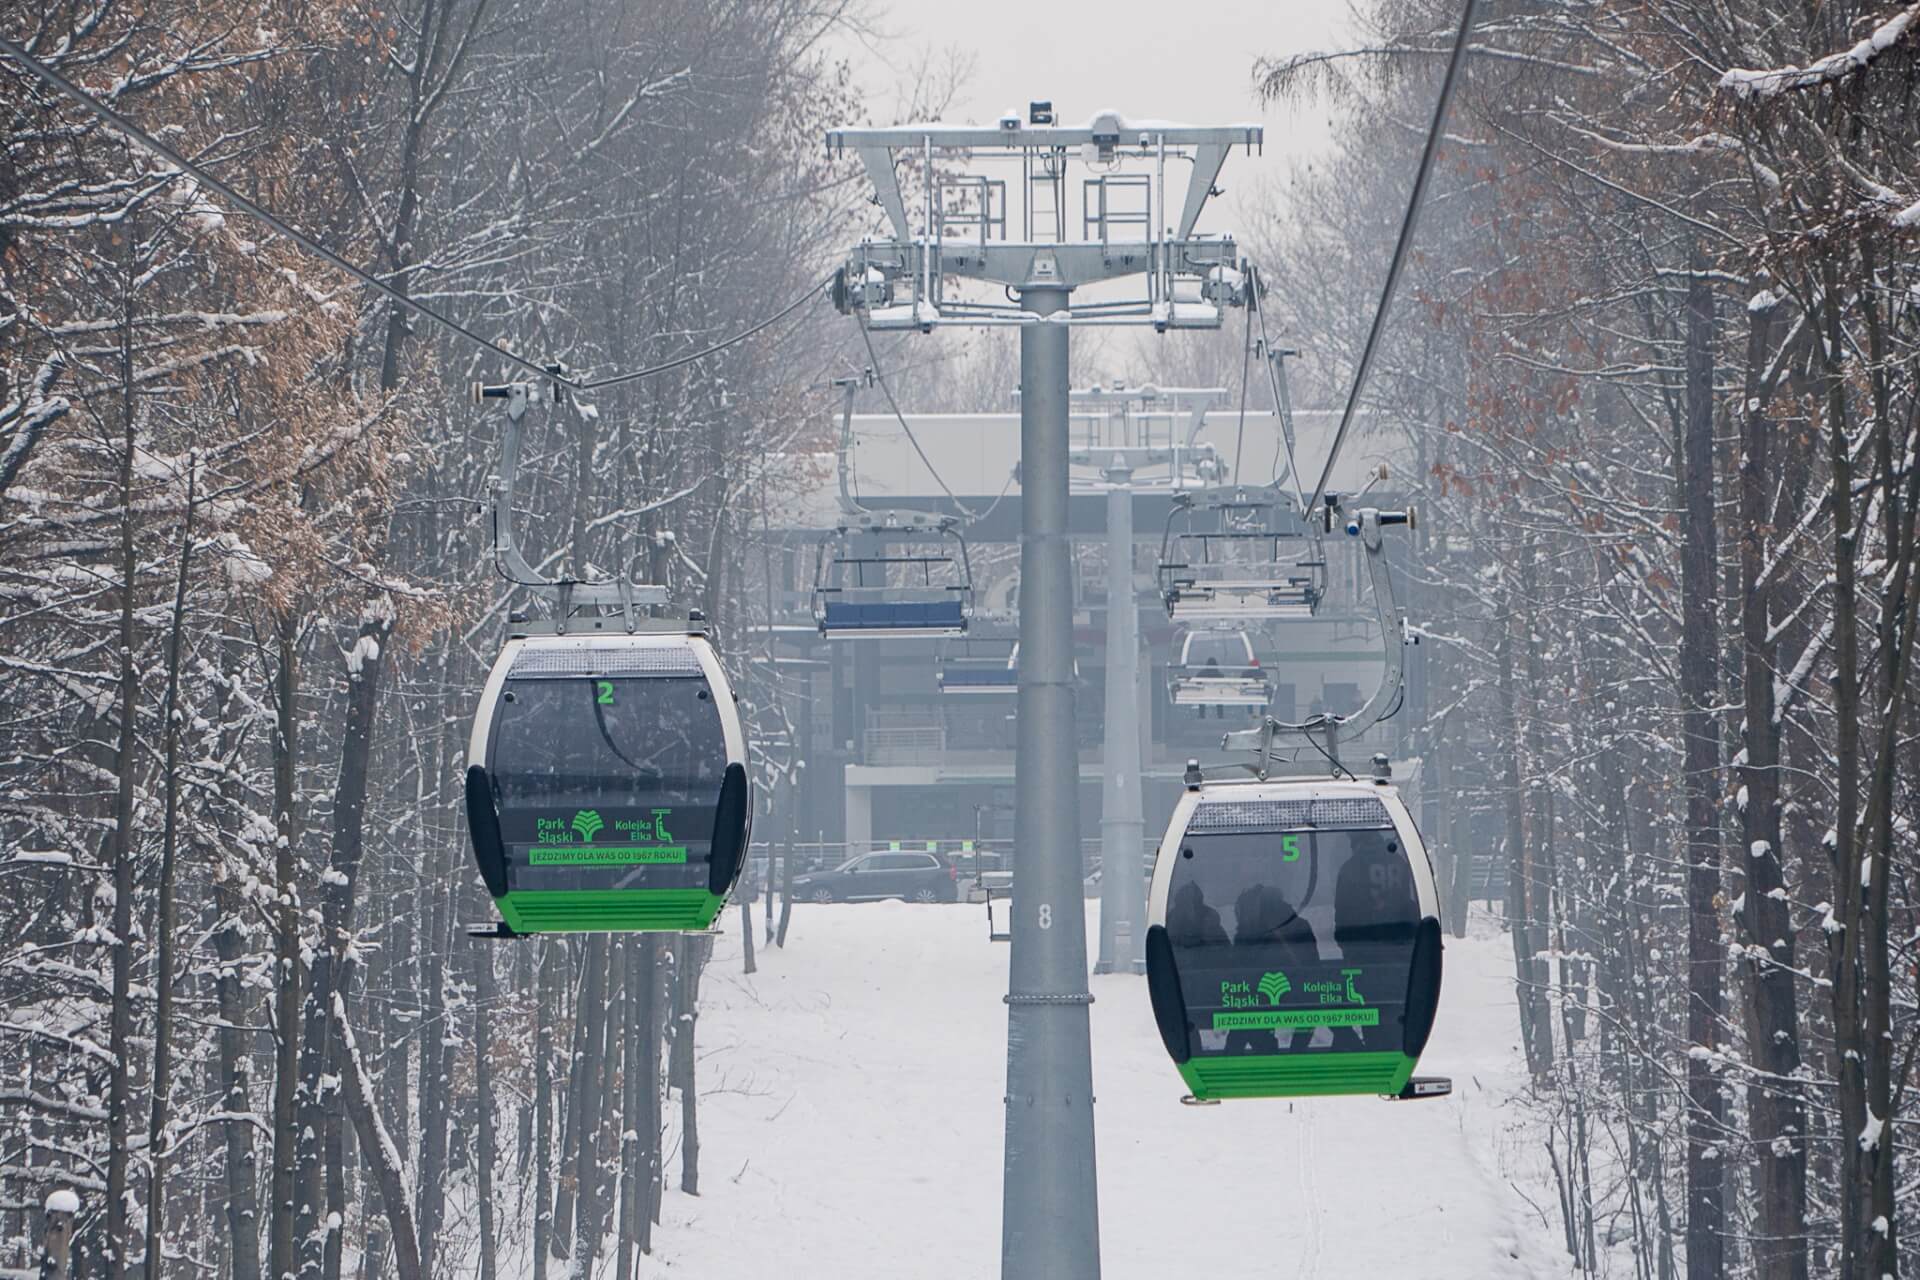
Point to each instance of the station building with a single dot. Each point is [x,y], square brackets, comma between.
[893,761]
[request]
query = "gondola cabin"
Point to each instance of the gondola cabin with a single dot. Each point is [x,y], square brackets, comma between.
[607,784]
[1293,944]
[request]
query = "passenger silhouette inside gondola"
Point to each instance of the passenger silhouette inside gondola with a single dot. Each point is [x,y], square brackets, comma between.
[1191,922]
[1213,670]
[1270,933]
[1375,916]
[1373,900]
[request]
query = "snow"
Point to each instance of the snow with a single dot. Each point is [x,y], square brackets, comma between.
[366,649]
[904,315]
[1870,1135]
[1835,66]
[63,1201]
[244,567]
[852,1117]
[45,857]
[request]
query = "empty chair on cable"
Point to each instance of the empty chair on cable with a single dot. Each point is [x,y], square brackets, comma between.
[1217,668]
[911,579]
[607,784]
[1238,553]
[1293,941]
[969,669]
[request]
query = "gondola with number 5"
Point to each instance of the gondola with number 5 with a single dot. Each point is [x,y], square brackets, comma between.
[1293,939]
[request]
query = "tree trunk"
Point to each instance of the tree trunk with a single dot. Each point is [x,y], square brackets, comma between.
[543,1138]
[1459,891]
[1536,1025]
[624,1261]
[1776,1113]
[239,1169]
[1849,1037]
[435,1054]
[484,1155]
[766,909]
[1699,681]
[646,1014]
[786,856]
[586,1107]
[286,954]
[572,1123]
[1899,502]
[120,1019]
[163,913]
[381,1153]
[56,1242]
[693,959]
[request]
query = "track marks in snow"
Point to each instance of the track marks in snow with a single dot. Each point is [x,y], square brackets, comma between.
[1309,1194]
[860,1077]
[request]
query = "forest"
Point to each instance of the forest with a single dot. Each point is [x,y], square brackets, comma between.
[1660,343]
[1664,333]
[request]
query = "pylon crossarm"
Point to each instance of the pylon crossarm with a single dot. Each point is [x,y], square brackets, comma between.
[956,227]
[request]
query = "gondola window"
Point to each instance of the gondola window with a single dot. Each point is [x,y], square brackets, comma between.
[599,779]
[1293,941]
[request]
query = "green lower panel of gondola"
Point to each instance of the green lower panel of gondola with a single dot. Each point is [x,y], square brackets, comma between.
[1296,1075]
[609,910]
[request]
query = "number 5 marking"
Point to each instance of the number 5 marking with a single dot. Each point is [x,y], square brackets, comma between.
[1289,848]
[604,694]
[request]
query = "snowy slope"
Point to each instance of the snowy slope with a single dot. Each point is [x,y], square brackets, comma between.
[851,1126]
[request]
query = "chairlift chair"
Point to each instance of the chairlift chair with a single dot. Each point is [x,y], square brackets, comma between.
[607,781]
[1217,668]
[1293,941]
[890,594]
[967,674]
[1236,553]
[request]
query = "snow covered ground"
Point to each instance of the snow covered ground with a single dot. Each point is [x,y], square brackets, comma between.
[851,1126]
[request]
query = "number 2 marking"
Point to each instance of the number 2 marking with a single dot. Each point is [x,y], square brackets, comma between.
[604,692]
[1046,915]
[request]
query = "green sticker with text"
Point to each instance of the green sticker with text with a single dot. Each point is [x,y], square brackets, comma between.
[572,839]
[605,855]
[1293,1019]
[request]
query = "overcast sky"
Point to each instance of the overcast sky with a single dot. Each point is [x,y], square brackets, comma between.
[1144,58]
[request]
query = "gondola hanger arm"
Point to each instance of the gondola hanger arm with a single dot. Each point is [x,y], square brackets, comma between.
[1368,525]
[563,594]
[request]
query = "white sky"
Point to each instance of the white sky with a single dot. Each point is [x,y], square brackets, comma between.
[1143,58]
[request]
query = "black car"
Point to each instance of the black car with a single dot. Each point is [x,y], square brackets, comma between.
[912,877]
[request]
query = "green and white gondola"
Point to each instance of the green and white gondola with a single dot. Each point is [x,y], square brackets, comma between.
[607,785]
[1293,946]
